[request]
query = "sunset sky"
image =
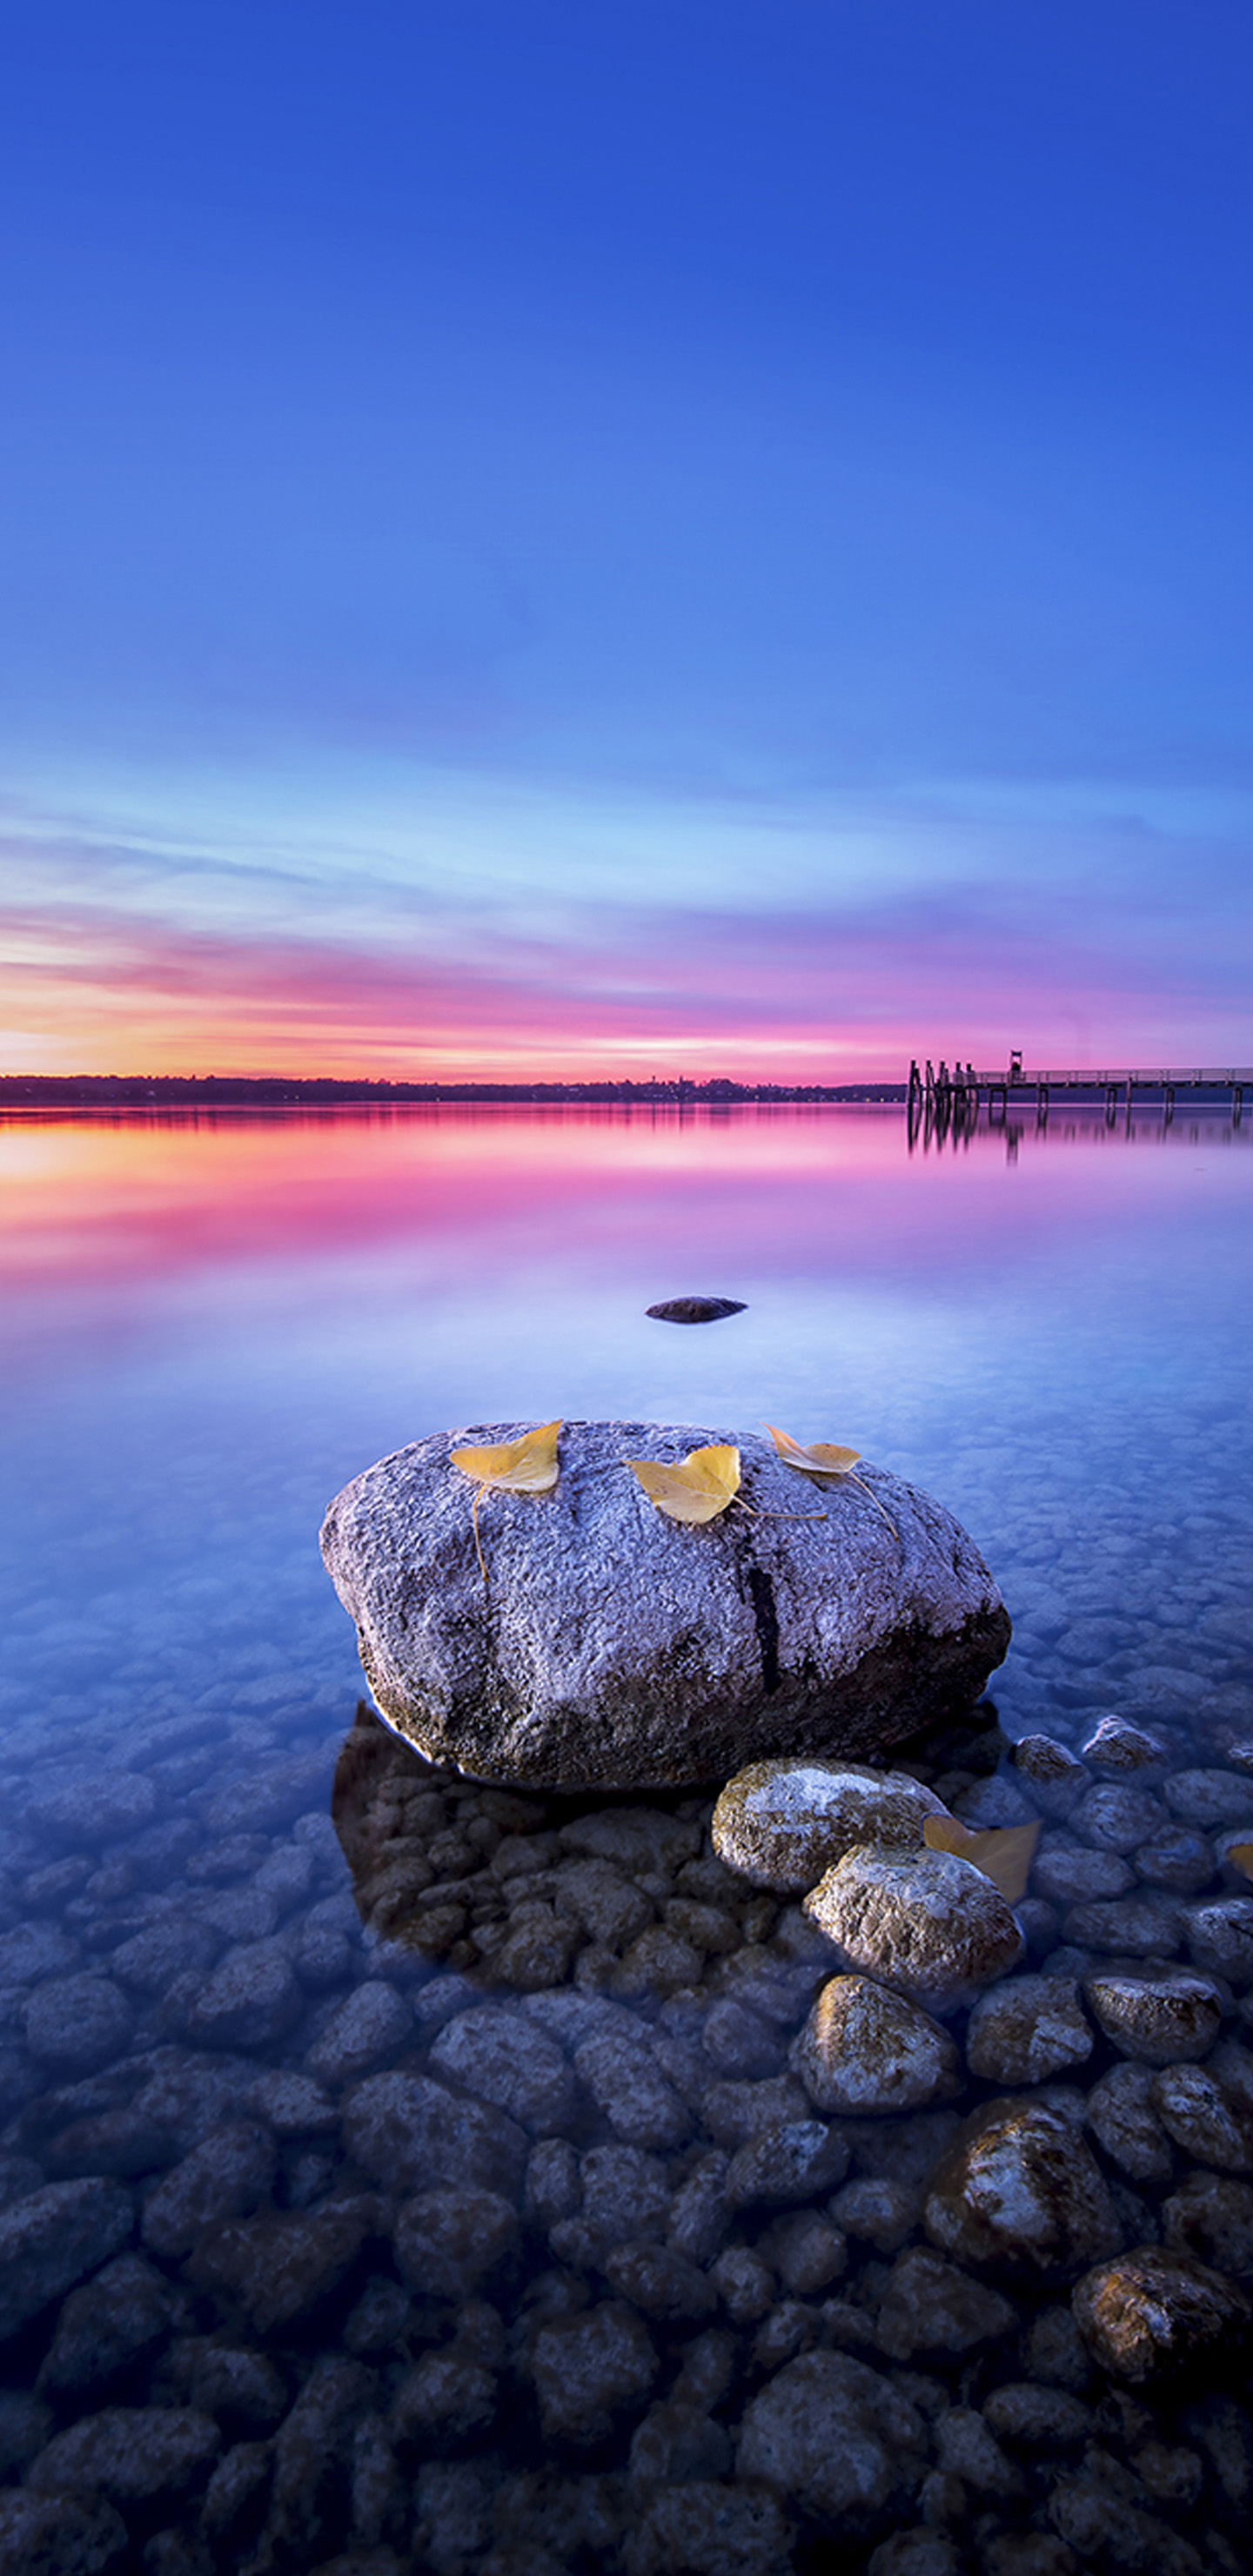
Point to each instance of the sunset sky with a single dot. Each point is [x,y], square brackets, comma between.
[573,536]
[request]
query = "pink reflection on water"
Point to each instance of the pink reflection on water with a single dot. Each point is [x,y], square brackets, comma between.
[703,1199]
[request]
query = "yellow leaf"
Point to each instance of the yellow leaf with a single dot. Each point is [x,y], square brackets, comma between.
[1240,1856]
[822,1458]
[827,1458]
[525,1466]
[1004,1855]
[698,1490]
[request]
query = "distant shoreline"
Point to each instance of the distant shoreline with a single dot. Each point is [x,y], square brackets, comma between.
[238,1091]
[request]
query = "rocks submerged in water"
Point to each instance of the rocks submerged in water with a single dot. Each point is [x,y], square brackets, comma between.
[781,1824]
[926,1922]
[612,1646]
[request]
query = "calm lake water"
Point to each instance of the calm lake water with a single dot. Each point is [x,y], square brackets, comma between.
[209,1325]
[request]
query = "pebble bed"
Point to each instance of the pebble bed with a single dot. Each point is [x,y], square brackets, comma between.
[399,2175]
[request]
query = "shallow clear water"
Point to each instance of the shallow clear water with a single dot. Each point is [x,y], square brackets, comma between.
[208,1327]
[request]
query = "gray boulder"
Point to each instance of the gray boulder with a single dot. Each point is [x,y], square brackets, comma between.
[611,1645]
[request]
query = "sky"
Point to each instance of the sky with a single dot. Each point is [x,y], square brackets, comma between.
[548,539]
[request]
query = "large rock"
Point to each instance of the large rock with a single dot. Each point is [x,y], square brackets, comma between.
[1154,2310]
[613,1645]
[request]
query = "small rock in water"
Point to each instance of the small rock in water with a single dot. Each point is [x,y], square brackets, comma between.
[866,2049]
[1116,1745]
[613,1645]
[695,1310]
[781,1824]
[1028,2029]
[1022,2189]
[1153,2311]
[925,1921]
[837,2439]
[1158,2019]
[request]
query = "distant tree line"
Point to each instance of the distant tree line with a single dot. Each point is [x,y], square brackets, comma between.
[239,1091]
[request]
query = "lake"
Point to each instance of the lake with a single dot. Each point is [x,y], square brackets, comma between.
[223,2348]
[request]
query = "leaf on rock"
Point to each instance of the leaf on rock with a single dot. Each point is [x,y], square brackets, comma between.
[1004,1855]
[706,1481]
[525,1466]
[827,1458]
[1240,1856]
[822,1458]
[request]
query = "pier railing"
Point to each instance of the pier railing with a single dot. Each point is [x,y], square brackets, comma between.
[952,1095]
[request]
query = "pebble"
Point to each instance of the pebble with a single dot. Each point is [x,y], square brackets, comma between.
[792,2161]
[502,2058]
[1022,2189]
[1154,2310]
[1074,1874]
[1200,2116]
[106,2327]
[781,1824]
[1117,1817]
[926,1922]
[625,2081]
[131,2454]
[52,2238]
[1027,2029]
[930,2309]
[1209,1798]
[1158,2019]
[1125,2123]
[837,2440]
[711,2528]
[1116,1745]
[250,2001]
[75,2024]
[84,1814]
[448,2242]
[867,2049]
[1213,2218]
[367,2030]
[405,2131]
[278,2269]
[225,2177]
[1220,1938]
[60,2535]
[590,2371]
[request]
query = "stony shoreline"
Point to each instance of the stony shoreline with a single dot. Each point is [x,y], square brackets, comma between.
[461,2210]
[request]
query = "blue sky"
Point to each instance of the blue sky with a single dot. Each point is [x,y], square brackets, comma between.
[540,531]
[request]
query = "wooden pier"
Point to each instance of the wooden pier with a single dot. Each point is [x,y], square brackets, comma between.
[945,1098]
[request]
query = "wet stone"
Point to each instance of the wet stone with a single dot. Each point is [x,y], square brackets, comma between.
[108,2326]
[1147,1926]
[806,2251]
[281,2268]
[591,2371]
[1117,1745]
[1116,1816]
[792,2162]
[625,2081]
[1032,2418]
[1212,2217]
[225,2177]
[250,2001]
[447,2396]
[1177,1858]
[504,2059]
[33,1951]
[51,2239]
[1072,1873]
[150,1961]
[699,2216]
[1022,2190]
[312,2462]
[75,2024]
[131,2454]
[1209,1798]
[449,2242]
[1056,1776]
[733,2112]
[1152,2311]
[1158,2019]
[1125,2124]
[931,2309]
[367,2030]
[25,2426]
[660,2282]
[241,2388]
[60,2535]
[406,2131]
[1197,2112]
[865,2049]
[1027,2029]
[84,1814]
[237,2496]
[878,2211]
[1220,1938]
[926,1922]
[781,1824]
[293,2106]
[835,2439]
